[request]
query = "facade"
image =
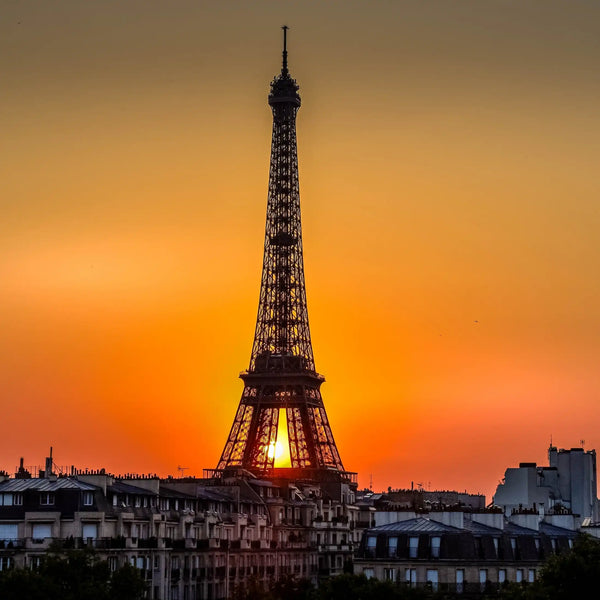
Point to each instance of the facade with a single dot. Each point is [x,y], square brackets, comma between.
[568,483]
[191,538]
[459,551]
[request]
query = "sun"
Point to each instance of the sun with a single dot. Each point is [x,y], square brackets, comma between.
[275,450]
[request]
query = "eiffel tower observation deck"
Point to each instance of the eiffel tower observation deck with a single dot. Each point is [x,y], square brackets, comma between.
[281,386]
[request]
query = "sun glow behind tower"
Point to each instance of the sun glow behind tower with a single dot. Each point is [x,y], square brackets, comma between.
[279,450]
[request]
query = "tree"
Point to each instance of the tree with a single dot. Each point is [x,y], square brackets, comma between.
[358,587]
[574,574]
[74,575]
[127,583]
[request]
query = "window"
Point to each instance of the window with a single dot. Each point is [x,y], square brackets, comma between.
[47,498]
[392,546]
[432,579]
[389,574]
[35,562]
[531,575]
[369,573]
[6,499]
[5,563]
[371,544]
[460,581]
[553,542]
[138,501]
[39,531]
[410,576]
[482,579]
[519,578]
[8,531]
[89,531]
[435,547]
[112,563]
[413,547]
[501,575]
[88,498]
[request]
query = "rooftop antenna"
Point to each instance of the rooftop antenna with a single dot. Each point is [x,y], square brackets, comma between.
[284,70]
[582,442]
[181,470]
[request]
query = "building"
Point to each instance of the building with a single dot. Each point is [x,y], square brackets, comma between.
[459,550]
[568,483]
[193,539]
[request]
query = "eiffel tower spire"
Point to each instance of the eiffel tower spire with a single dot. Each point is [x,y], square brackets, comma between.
[281,377]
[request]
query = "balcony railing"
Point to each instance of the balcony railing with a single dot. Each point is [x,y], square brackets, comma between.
[12,543]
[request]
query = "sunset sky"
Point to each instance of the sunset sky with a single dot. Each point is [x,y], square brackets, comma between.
[449,171]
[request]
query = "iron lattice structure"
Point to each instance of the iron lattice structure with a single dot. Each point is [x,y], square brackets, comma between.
[282,371]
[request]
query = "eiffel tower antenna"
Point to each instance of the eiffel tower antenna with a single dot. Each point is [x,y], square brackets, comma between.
[284,68]
[281,378]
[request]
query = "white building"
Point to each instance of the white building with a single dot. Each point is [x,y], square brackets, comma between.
[568,484]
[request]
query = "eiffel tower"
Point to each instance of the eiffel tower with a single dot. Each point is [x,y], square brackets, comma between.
[281,378]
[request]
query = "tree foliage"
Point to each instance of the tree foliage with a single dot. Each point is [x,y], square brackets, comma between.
[565,576]
[358,587]
[75,575]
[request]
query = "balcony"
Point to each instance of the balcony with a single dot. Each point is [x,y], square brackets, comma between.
[342,520]
[12,544]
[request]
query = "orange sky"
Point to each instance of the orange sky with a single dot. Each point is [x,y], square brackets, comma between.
[449,159]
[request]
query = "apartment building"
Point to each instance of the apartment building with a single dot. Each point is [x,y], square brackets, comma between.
[193,539]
